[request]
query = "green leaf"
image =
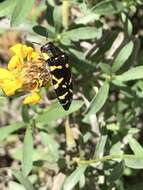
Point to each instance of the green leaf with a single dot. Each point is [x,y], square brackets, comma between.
[15,186]
[122,56]
[57,18]
[98,101]
[79,62]
[7,130]
[6,7]
[55,111]
[117,149]
[89,17]
[27,161]
[117,83]
[21,11]
[86,137]
[25,113]
[23,180]
[74,178]
[128,27]
[82,33]
[135,146]
[105,68]
[135,163]
[108,7]
[116,172]
[132,74]
[40,30]
[78,54]
[51,145]
[99,152]
[42,154]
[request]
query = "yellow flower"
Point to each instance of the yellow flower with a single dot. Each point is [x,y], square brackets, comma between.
[26,71]
[33,98]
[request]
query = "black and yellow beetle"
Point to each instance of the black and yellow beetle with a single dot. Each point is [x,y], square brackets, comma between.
[60,72]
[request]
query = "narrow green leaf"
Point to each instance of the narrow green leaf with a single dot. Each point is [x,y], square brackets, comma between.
[6,7]
[86,137]
[46,32]
[40,30]
[122,56]
[108,7]
[135,146]
[25,113]
[82,33]
[57,18]
[74,178]
[42,154]
[135,163]
[21,11]
[23,180]
[89,17]
[118,83]
[55,111]
[116,172]
[117,149]
[15,186]
[6,130]
[99,152]
[51,145]
[79,62]
[128,27]
[102,8]
[98,101]
[105,68]
[132,74]
[27,161]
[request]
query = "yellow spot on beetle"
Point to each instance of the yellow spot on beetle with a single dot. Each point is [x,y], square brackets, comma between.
[57,80]
[63,96]
[52,68]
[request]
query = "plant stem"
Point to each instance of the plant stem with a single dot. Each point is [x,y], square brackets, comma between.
[108,157]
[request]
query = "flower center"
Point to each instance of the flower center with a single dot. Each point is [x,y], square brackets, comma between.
[34,74]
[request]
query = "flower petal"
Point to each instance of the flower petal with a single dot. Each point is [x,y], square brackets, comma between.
[5,74]
[8,82]
[33,98]
[27,51]
[35,55]
[14,63]
[10,86]
[17,49]
[22,50]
